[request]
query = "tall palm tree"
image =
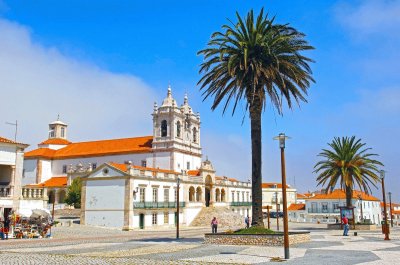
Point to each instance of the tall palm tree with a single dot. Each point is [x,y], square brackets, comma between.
[253,60]
[348,163]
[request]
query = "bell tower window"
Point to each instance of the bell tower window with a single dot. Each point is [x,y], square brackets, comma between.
[194,135]
[178,129]
[164,127]
[62,132]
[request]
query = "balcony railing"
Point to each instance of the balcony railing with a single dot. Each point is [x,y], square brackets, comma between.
[34,193]
[5,191]
[319,210]
[155,205]
[240,203]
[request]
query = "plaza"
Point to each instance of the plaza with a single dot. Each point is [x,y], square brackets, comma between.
[93,245]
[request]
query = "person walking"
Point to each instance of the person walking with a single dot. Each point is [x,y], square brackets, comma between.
[6,228]
[345,222]
[247,221]
[214,225]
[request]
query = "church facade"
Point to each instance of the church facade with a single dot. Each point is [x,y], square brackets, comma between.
[141,172]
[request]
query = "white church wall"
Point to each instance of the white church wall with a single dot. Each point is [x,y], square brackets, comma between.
[162,160]
[29,176]
[181,160]
[46,170]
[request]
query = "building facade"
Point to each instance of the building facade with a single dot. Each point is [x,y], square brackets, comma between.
[272,196]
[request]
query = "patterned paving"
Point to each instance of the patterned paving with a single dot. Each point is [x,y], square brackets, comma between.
[90,246]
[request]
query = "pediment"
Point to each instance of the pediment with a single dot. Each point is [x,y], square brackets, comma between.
[106,171]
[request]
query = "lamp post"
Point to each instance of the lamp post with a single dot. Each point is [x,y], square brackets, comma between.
[362,216]
[386,229]
[277,213]
[281,137]
[390,205]
[177,207]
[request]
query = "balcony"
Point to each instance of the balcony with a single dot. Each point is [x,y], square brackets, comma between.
[319,210]
[240,203]
[156,205]
[5,191]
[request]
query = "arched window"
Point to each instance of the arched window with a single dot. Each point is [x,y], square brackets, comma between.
[198,194]
[61,196]
[191,194]
[178,129]
[194,135]
[222,195]
[164,127]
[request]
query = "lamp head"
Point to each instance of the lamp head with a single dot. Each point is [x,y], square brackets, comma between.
[382,173]
[282,138]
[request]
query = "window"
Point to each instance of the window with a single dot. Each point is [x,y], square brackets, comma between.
[166,195]
[155,195]
[154,218]
[62,132]
[233,196]
[142,194]
[178,129]
[325,207]
[164,127]
[166,218]
[64,169]
[52,133]
[335,206]
[188,165]
[144,163]
[194,135]
[94,166]
[238,196]
[175,195]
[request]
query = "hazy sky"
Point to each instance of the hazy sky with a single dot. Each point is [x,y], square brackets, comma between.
[102,64]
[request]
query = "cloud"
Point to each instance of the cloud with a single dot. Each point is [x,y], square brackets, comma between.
[37,83]
[372,17]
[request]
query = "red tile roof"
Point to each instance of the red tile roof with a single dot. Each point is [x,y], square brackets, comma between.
[8,141]
[56,141]
[97,148]
[60,181]
[396,212]
[297,207]
[193,172]
[340,194]
[41,152]
[272,185]
[124,168]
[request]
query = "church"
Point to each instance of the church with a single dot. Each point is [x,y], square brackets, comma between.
[132,182]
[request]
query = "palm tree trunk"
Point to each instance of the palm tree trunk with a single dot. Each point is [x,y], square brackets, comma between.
[256,176]
[349,195]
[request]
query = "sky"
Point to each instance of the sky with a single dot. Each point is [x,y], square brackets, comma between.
[101,66]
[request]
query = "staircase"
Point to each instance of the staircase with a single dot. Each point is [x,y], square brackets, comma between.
[227,219]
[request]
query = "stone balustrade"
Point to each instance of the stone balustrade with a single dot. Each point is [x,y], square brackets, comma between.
[34,193]
[6,190]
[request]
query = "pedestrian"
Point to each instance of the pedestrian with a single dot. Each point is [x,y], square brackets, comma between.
[214,225]
[345,222]
[246,221]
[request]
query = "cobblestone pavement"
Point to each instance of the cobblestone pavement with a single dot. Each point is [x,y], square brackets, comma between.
[89,245]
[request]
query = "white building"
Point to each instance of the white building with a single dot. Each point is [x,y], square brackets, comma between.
[272,196]
[133,197]
[174,145]
[12,195]
[326,206]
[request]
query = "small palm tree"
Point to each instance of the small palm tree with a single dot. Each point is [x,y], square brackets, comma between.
[349,164]
[255,60]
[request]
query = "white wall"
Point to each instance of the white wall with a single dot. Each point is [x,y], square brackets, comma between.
[180,161]
[29,176]
[7,154]
[105,202]
[26,206]
[46,170]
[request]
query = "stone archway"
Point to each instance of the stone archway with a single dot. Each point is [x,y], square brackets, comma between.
[208,187]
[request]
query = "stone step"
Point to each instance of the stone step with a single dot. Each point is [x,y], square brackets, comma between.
[227,219]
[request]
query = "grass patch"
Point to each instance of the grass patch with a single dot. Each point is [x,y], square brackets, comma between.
[254,230]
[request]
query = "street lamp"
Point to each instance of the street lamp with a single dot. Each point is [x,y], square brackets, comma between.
[281,137]
[362,216]
[177,207]
[390,205]
[386,229]
[277,210]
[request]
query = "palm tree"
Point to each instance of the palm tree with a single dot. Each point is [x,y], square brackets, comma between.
[253,60]
[349,164]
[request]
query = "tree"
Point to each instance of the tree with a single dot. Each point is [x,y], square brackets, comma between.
[74,193]
[253,60]
[348,163]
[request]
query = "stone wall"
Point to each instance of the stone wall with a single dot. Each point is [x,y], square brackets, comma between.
[357,227]
[266,240]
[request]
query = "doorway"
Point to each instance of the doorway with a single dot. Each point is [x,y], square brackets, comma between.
[141,221]
[207,197]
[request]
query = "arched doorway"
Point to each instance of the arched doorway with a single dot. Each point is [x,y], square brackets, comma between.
[191,194]
[208,187]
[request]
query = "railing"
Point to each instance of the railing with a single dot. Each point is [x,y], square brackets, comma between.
[319,210]
[155,205]
[34,193]
[240,203]
[5,191]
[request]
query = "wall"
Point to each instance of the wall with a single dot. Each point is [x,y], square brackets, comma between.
[29,176]
[105,202]
[26,206]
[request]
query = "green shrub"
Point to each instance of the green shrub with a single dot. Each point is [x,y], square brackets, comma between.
[255,230]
